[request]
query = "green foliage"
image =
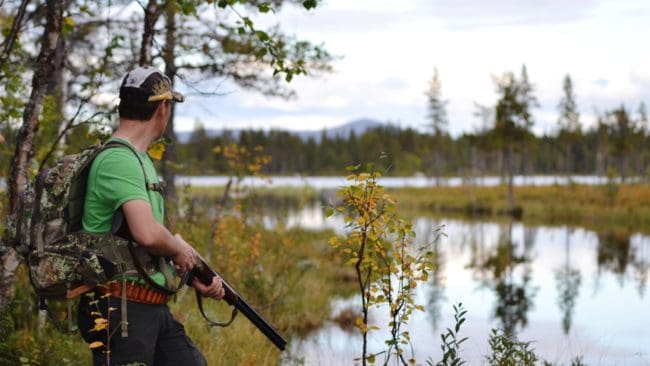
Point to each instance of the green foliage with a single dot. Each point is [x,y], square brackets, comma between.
[30,339]
[507,351]
[13,95]
[513,118]
[8,354]
[379,246]
[451,342]
[274,49]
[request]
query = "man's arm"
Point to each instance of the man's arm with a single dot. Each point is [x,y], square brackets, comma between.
[155,238]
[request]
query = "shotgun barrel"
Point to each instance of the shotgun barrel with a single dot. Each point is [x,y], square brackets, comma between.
[205,273]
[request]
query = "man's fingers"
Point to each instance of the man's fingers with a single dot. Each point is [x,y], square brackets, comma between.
[215,290]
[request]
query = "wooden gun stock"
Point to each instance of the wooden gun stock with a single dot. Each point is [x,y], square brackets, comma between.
[205,273]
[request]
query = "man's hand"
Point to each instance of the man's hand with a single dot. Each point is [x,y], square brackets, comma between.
[185,259]
[215,290]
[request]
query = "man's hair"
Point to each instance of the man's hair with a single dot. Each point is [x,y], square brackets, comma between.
[137,110]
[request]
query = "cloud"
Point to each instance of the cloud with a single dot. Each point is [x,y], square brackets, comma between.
[601,83]
[470,14]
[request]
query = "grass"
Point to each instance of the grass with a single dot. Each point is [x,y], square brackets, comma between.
[590,206]
[575,205]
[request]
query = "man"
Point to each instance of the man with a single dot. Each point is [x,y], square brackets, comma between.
[124,178]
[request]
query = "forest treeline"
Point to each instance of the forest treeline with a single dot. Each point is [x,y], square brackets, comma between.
[619,143]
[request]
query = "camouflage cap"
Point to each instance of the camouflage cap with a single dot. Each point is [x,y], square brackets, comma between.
[148,84]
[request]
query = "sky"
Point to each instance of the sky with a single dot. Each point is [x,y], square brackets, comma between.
[388,51]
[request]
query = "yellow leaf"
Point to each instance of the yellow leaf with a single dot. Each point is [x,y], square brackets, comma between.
[96,344]
[389,198]
[101,321]
[99,327]
[156,150]
[69,21]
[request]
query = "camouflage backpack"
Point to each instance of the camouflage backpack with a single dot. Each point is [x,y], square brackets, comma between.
[46,229]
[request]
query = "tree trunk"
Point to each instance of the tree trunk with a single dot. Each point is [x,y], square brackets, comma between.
[19,170]
[151,14]
[510,170]
[623,166]
[58,86]
[10,262]
[169,175]
[437,157]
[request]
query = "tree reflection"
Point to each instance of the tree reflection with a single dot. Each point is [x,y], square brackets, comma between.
[508,273]
[614,252]
[436,287]
[640,264]
[568,282]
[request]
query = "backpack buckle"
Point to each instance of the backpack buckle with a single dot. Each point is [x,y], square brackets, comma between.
[120,267]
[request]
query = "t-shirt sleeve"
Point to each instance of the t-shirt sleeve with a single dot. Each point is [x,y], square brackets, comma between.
[120,178]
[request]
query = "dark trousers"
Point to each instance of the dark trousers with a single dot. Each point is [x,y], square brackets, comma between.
[155,338]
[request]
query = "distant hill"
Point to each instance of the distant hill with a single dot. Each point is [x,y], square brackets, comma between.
[359,126]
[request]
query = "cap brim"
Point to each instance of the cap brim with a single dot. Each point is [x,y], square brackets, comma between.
[170,95]
[178,97]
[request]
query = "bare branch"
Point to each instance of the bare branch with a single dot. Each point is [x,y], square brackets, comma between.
[13,33]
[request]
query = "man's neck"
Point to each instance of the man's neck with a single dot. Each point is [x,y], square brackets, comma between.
[137,133]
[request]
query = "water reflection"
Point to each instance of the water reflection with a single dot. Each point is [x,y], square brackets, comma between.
[529,281]
[568,281]
[436,296]
[614,251]
[505,269]
[640,263]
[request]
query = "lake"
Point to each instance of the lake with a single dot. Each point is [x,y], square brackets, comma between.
[571,291]
[326,182]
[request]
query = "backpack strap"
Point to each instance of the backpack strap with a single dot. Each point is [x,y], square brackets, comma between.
[119,225]
[158,187]
[121,229]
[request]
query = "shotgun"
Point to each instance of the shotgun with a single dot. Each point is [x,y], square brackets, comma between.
[205,273]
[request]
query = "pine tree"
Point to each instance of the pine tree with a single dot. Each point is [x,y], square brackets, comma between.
[437,114]
[569,123]
[513,122]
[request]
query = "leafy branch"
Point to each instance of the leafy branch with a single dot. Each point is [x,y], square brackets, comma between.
[379,248]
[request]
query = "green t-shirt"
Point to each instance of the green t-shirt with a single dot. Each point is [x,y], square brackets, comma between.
[116,177]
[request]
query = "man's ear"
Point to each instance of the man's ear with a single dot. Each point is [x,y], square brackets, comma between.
[160,108]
